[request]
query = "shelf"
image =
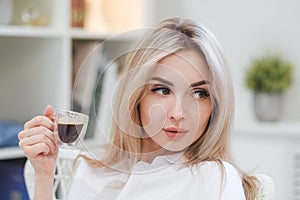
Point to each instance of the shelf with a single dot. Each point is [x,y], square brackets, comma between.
[82,34]
[278,129]
[11,153]
[26,31]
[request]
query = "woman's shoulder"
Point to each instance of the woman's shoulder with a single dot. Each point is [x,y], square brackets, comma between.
[220,178]
[216,165]
[211,169]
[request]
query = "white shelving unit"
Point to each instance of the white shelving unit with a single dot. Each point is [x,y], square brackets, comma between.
[36,62]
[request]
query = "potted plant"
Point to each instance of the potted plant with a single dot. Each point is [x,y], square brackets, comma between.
[269,77]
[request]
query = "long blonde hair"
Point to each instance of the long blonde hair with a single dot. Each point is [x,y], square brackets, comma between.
[168,37]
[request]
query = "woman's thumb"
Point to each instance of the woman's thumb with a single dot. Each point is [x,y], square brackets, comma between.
[49,112]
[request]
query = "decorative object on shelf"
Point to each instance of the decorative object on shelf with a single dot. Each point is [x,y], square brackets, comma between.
[6,11]
[113,15]
[32,17]
[94,20]
[123,15]
[269,77]
[78,13]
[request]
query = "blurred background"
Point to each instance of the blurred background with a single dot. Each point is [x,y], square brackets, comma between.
[43,45]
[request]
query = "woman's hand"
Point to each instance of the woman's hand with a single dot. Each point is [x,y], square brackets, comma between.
[40,144]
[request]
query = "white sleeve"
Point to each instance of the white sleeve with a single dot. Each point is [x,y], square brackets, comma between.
[228,188]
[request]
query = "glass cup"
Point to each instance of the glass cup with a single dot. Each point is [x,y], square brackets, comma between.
[70,128]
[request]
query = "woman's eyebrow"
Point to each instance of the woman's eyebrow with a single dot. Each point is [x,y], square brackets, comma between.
[162,80]
[203,82]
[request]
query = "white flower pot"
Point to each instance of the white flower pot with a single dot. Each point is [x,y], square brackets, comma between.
[268,107]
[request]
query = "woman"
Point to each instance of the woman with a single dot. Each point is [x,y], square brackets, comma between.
[170,134]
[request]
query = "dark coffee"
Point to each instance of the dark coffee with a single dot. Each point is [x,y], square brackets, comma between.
[68,133]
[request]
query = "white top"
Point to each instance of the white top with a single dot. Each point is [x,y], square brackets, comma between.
[164,179]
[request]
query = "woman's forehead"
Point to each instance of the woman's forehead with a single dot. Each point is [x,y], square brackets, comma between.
[189,65]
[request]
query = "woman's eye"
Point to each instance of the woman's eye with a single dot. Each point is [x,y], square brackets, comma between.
[201,94]
[161,90]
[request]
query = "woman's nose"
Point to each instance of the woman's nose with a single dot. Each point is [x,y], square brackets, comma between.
[175,110]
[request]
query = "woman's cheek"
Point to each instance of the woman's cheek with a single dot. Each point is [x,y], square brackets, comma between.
[198,119]
[153,118]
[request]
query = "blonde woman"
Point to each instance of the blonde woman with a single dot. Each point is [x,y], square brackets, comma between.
[171,126]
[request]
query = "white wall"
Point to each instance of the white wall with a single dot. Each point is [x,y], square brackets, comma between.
[247,29]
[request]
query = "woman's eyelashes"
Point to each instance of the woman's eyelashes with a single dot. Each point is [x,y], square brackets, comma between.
[198,93]
[162,90]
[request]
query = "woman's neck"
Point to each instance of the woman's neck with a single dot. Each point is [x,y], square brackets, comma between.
[150,150]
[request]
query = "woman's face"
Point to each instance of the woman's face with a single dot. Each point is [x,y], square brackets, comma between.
[177,106]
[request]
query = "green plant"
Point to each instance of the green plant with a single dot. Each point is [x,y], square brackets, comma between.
[269,74]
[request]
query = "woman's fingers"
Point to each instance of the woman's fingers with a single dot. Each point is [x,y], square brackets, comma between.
[35,131]
[33,151]
[39,138]
[38,135]
[39,121]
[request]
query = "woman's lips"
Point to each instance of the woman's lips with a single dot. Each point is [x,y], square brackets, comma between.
[175,132]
